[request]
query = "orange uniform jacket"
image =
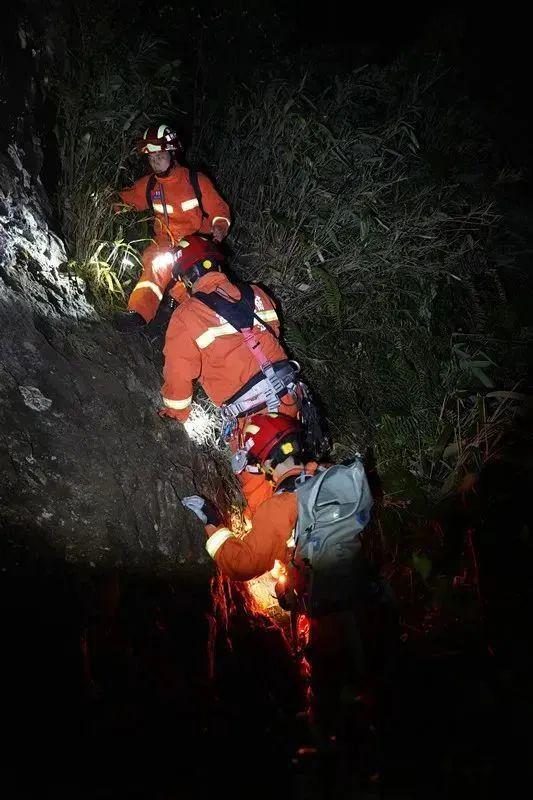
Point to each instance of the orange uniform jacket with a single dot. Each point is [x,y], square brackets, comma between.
[201,345]
[184,218]
[184,215]
[270,538]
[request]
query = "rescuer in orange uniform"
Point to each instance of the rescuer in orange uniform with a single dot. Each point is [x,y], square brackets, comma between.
[183,202]
[274,443]
[226,336]
[351,611]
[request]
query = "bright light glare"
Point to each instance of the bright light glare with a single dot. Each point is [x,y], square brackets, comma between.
[203,425]
[278,570]
[162,260]
[263,588]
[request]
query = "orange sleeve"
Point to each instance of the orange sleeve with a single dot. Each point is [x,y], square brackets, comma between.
[255,489]
[247,557]
[215,206]
[183,364]
[136,195]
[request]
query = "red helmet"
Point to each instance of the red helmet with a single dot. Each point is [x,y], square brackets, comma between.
[197,251]
[158,138]
[266,434]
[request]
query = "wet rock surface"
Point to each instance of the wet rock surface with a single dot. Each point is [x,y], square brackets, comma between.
[86,464]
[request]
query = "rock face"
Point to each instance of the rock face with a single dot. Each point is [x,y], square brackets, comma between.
[86,466]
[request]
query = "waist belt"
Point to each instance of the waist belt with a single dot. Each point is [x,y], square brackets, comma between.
[262,391]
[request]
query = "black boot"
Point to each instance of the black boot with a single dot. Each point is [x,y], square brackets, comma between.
[128,321]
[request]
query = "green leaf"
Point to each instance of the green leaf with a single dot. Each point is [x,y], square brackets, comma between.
[332,292]
[467,364]
[442,441]
[482,377]
[295,338]
[281,219]
[403,485]
[422,565]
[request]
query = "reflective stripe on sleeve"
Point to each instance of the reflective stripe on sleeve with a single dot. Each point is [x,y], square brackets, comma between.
[150,285]
[215,542]
[209,336]
[224,219]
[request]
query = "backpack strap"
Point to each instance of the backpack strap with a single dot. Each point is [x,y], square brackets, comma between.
[315,490]
[193,180]
[150,186]
[229,312]
[195,183]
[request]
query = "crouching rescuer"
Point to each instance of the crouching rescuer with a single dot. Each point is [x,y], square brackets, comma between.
[226,335]
[312,523]
[182,202]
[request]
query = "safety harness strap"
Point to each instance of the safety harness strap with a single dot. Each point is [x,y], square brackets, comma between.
[195,183]
[193,180]
[241,315]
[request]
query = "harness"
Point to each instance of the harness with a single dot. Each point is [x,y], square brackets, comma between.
[277,378]
[193,180]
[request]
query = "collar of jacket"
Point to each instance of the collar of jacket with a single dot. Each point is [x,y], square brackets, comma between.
[216,280]
[310,468]
[175,173]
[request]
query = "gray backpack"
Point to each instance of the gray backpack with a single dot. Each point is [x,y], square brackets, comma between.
[333,509]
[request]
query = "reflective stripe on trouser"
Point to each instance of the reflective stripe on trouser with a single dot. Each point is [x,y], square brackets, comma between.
[150,288]
[177,405]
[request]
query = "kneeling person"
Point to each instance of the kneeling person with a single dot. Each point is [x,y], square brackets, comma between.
[313,520]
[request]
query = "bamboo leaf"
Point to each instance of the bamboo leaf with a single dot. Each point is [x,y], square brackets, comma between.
[295,338]
[482,377]
[422,565]
[332,292]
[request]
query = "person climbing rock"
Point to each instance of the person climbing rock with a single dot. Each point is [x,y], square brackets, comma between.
[313,524]
[334,500]
[182,201]
[226,335]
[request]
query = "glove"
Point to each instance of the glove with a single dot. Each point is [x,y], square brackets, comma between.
[204,510]
[219,231]
[128,321]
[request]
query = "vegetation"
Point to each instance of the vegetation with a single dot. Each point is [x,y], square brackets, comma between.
[366,204]
[108,90]
[355,206]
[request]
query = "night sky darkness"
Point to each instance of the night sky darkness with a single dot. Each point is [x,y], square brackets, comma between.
[489,46]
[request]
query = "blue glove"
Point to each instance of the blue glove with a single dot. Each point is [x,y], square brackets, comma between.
[204,510]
